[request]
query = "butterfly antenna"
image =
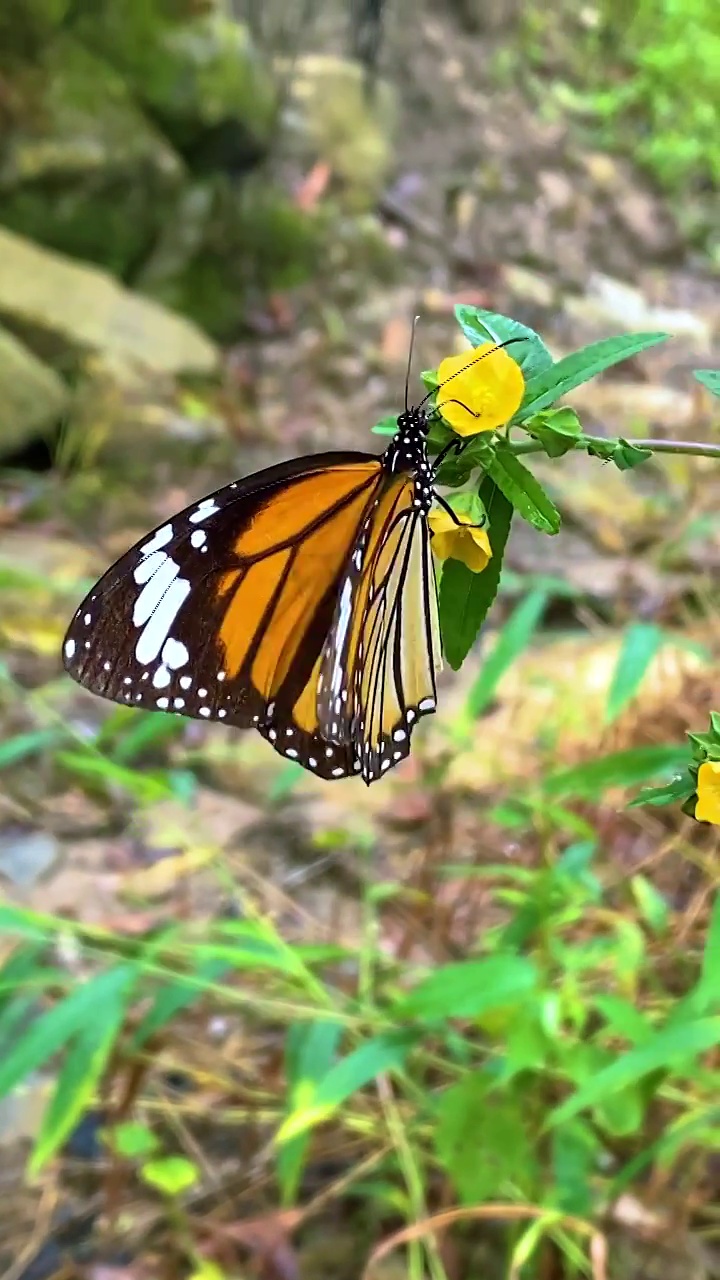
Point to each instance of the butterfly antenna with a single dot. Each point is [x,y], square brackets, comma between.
[498,347]
[409,363]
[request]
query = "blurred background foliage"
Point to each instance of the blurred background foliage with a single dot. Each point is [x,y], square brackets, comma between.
[217,218]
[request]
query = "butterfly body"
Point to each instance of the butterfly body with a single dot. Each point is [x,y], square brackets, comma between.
[300,601]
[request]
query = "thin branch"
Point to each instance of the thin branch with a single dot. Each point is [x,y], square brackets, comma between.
[694,448]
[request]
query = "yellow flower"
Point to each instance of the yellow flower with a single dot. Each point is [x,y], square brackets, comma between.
[489,389]
[466,541]
[707,808]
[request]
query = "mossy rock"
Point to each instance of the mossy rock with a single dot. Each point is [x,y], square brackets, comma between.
[26,25]
[203,79]
[32,396]
[84,171]
[226,244]
[60,307]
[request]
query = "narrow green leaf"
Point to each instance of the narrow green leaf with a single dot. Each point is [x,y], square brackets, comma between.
[32,925]
[512,640]
[386,426]
[672,1047]
[371,1059]
[146,787]
[53,1030]
[176,996]
[523,490]
[709,378]
[641,644]
[652,905]
[619,769]
[147,732]
[310,1054]
[545,387]
[91,1044]
[465,597]
[469,988]
[25,745]
[488,326]
[709,984]
[672,792]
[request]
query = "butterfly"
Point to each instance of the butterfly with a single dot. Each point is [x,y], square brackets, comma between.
[301,601]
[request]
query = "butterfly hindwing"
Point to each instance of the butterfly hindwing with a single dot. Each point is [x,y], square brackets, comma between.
[379,665]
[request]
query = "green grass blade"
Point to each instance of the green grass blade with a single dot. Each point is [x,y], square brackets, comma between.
[671,1047]
[511,642]
[84,1062]
[641,644]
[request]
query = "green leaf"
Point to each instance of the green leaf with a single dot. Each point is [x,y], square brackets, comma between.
[621,1114]
[132,1140]
[621,452]
[558,430]
[545,387]
[674,1046]
[465,597]
[481,1141]
[512,640]
[709,378]
[55,1029]
[574,1154]
[669,793]
[651,903]
[310,1054]
[523,490]
[709,983]
[171,1175]
[619,769]
[90,1037]
[468,989]
[381,1053]
[627,455]
[641,643]
[481,326]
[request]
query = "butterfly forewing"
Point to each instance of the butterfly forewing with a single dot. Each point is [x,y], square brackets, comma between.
[223,612]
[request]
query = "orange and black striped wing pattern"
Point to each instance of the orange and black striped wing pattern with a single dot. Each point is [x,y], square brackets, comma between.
[379,667]
[228,611]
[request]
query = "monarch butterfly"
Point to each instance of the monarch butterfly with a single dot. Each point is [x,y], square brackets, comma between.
[301,601]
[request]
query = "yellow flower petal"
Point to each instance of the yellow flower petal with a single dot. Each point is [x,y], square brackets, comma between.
[487,385]
[465,542]
[707,808]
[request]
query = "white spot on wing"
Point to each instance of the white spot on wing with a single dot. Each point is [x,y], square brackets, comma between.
[153,592]
[160,539]
[156,630]
[206,508]
[147,568]
[161,678]
[174,654]
[185,682]
[198,537]
[69,649]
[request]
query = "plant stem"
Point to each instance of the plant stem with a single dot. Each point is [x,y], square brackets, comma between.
[695,448]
